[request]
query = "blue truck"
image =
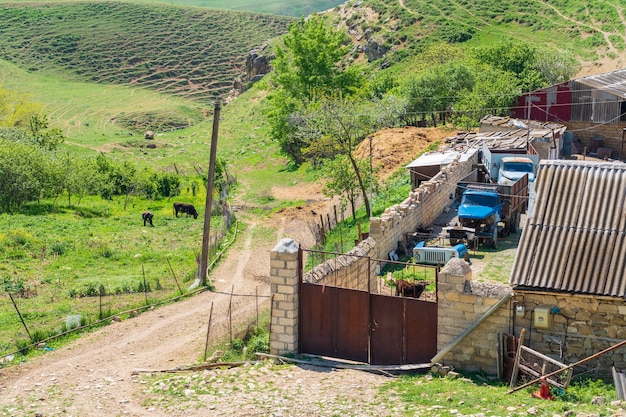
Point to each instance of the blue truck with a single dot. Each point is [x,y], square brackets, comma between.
[486,210]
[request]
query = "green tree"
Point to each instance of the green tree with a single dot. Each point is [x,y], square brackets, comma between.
[339,125]
[81,177]
[434,91]
[16,109]
[24,172]
[44,136]
[309,64]
[340,179]
[307,68]
[493,93]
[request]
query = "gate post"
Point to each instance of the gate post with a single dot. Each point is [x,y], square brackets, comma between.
[284,284]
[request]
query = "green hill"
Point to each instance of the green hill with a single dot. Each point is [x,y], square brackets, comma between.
[185,52]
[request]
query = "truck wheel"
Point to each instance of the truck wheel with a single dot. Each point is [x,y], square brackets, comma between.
[514,227]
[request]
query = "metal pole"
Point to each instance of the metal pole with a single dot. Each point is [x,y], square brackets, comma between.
[204,256]
[621,148]
[208,331]
[21,318]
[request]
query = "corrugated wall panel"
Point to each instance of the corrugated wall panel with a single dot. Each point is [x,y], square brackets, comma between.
[575,239]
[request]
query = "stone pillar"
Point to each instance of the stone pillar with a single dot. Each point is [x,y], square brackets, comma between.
[454,280]
[284,287]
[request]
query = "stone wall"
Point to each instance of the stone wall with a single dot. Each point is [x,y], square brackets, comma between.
[611,134]
[579,325]
[350,270]
[462,303]
[422,207]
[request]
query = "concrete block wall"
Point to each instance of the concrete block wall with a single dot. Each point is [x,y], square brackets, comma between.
[422,207]
[580,325]
[461,304]
[284,285]
[350,270]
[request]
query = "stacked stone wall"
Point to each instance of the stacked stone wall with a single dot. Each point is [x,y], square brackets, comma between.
[350,270]
[580,326]
[462,303]
[422,207]
[586,132]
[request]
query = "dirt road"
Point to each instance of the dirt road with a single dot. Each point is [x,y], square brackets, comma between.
[93,375]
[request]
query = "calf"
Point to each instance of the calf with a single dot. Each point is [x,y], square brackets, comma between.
[407,289]
[188,209]
[147,217]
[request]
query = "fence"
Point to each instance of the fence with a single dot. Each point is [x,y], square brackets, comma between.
[33,315]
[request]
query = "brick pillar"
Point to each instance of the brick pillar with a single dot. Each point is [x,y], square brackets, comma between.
[284,287]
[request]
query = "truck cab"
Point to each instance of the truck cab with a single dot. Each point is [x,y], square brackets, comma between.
[481,210]
[514,168]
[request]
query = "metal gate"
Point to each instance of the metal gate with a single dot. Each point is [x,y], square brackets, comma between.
[371,328]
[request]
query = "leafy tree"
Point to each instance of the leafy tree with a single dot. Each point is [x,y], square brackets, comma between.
[81,177]
[118,178]
[435,90]
[16,109]
[280,115]
[23,174]
[533,67]
[493,93]
[307,68]
[44,136]
[555,67]
[340,125]
[340,179]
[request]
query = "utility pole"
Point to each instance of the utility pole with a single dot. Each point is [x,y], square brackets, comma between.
[371,194]
[203,263]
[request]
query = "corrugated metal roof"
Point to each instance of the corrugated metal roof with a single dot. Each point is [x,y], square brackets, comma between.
[513,123]
[575,239]
[503,139]
[440,158]
[613,82]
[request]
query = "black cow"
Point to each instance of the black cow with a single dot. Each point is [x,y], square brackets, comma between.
[147,217]
[189,209]
[407,289]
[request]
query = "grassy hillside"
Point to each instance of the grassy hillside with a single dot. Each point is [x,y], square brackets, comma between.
[277,7]
[591,31]
[184,52]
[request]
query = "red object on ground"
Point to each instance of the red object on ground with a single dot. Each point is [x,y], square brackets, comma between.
[544,391]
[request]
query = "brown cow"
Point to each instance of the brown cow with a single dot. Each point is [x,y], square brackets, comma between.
[407,289]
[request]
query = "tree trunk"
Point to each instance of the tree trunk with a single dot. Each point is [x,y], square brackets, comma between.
[366,200]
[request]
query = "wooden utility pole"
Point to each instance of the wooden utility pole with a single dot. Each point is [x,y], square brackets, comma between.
[203,264]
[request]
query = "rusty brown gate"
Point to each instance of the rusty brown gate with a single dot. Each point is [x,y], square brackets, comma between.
[365,327]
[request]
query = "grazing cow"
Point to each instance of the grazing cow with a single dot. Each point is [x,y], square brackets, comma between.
[407,289]
[189,209]
[147,217]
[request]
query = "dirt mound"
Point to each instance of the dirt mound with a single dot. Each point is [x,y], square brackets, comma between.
[394,148]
